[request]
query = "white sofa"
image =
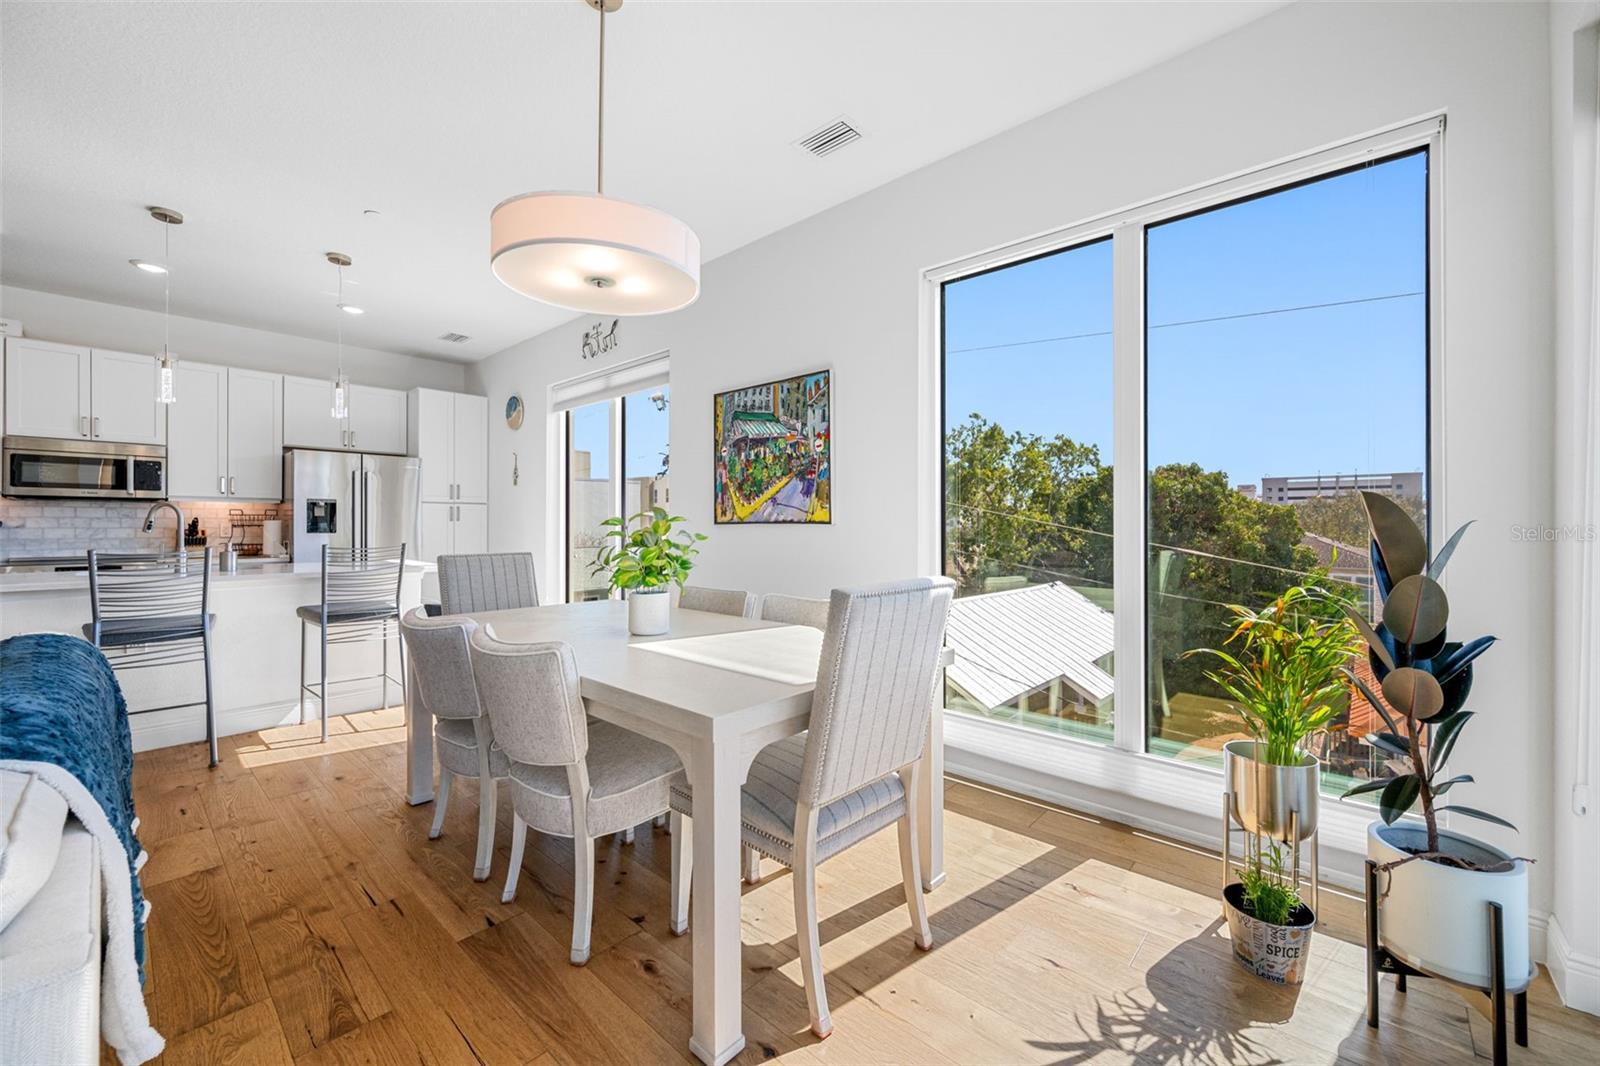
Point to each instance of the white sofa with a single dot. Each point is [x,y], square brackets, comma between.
[51,933]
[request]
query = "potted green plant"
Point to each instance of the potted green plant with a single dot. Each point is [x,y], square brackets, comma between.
[643,556]
[1283,668]
[1435,886]
[1268,922]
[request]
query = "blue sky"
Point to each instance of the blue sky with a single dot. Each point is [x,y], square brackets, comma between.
[1332,389]
[646,437]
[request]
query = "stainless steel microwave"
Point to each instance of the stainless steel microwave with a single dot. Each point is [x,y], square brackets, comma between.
[42,466]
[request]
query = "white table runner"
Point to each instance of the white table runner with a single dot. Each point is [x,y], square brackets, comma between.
[787,654]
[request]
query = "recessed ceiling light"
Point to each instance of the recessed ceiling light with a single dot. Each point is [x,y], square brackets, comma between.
[148,268]
[351,309]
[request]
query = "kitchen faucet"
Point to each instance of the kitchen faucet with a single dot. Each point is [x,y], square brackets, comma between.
[150,523]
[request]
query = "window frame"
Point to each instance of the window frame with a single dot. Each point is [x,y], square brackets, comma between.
[1142,787]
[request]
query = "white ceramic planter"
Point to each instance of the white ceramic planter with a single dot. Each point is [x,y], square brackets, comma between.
[1436,917]
[649,612]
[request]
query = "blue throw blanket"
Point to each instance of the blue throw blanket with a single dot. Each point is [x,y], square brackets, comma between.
[60,703]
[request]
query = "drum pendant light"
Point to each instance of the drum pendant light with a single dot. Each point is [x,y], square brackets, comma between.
[590,252]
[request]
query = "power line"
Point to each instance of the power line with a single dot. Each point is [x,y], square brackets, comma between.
[1193,321]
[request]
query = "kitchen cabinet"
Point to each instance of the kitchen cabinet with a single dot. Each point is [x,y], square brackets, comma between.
[122,398]
[453,529]
[308,420]
[225,434]
[197,432]
[47,389]
[449,432]
[255,435]
[377,420]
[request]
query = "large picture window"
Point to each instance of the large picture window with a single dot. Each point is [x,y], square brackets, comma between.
[1269,355]
[1027,526]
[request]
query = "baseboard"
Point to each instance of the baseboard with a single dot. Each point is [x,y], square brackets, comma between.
[166,729]
[1576,975]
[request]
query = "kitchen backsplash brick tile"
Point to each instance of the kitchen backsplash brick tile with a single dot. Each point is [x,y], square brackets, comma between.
[67,527]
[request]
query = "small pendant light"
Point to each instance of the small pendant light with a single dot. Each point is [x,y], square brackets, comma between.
[341,384]
[591,252]
[166,389]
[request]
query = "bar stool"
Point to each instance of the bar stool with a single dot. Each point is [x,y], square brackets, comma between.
[154,613]
[360,598]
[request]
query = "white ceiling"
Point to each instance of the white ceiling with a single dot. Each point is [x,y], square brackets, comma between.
[273,126]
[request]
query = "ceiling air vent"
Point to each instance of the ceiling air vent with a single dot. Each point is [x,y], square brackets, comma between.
[830,138]
[454,338]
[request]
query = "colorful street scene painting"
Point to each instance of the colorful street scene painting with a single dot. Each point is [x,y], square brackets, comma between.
[773,455]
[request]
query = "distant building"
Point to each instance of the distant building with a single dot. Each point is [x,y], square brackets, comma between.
[1346,563]
[1246,490]
[1298,489]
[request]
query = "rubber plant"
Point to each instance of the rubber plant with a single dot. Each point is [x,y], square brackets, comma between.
[1423,677]
[650,555]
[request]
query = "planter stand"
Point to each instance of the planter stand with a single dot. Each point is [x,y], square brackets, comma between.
[1381,961]
[1230,818]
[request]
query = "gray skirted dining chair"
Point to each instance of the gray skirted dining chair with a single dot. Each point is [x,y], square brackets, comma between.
[463,741]
[718,601]
[499,581]
[794,611]
[570,777]
[854,771]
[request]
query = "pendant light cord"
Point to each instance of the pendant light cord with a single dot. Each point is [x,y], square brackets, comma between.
[600,111]
[339,322]
[166,314]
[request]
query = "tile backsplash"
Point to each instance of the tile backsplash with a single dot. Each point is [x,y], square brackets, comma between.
[67,527]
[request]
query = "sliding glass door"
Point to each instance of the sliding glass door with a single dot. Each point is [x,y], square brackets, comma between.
[617,459]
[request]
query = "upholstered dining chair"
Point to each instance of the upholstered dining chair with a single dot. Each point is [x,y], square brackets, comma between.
[463,739]
[794,611]
[717,601]
[489,582]
[854,771]
[570,777]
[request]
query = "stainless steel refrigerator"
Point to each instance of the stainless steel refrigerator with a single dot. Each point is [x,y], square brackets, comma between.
[352,500]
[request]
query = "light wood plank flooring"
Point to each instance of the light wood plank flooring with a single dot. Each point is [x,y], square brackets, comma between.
[302,915]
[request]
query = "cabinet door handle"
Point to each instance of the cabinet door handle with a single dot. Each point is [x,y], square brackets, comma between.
[96,422]
[231,486]
[222,485]
[352,438]
[83,425]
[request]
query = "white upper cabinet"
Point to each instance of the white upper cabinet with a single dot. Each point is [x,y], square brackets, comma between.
[449,432]
[197,433]
[47,389]
[308,420]
[255,435]
[471,450]
[377,420]
[123,405]
[432,414]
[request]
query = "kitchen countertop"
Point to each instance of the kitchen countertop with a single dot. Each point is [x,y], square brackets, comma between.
[251,571]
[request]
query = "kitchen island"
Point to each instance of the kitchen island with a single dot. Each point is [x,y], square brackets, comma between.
[255,648]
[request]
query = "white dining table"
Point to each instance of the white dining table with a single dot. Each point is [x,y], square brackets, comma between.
[717,715]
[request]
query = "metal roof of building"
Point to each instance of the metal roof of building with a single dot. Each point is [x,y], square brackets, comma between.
[1008,644]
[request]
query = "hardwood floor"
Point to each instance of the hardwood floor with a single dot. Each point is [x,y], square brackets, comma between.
[300,914]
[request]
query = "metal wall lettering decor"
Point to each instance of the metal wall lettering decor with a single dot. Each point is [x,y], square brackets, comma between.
[598,339]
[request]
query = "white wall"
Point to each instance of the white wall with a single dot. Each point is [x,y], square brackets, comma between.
[1574,942]
[70,320]
[841,290]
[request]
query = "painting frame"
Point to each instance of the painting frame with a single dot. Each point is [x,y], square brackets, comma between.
[772,452]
